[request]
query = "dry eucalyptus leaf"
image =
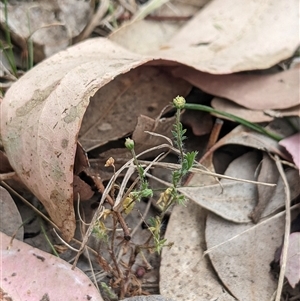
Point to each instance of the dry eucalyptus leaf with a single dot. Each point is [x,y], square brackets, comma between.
[268,173]
[291,144]
[146,36]
[50,24]
[227,106]
[255,116]
[231,36]
[185,274]
[292,272]
[11,219]
[28,273]
[278,199]
[41,115]
[241,255]
[236,201]
[244,136]
[231,200]
[252,91]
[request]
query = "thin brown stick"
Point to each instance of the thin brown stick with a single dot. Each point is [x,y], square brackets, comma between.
[7,176]
[93,22]
[214,135]
[30,205]
[287,228]
[119,216]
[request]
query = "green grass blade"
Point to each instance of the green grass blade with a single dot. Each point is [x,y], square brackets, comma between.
[246,123]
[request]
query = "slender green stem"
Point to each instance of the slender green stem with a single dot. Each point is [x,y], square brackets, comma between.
[48,240]
[250,125]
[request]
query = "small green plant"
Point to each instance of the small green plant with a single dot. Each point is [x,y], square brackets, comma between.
[122,201]
[171,195]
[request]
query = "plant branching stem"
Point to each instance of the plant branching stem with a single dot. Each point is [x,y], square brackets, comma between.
[119,216]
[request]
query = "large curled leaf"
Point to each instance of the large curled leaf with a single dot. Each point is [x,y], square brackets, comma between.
[42,113]
[30,274]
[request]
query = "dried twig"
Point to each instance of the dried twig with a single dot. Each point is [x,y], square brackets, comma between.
[287,227]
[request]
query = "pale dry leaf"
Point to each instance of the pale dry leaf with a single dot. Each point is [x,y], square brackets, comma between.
[233,35]
[10,218]
[292,145]
[41,115]
[278,199]
[231,200]
[241,255]
[185,274]
[252,91]
[50,24]
[227,106]
[235,201]
[268,173]
[244,136]
[31,274]
[292,272]
[255,116]
[146,36]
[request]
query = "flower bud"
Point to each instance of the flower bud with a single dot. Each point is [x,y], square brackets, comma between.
[129,143]
[179,102]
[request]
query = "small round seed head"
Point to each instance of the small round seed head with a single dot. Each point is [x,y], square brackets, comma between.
[179,102]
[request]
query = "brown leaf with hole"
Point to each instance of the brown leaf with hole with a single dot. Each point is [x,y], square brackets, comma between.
[269,174]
